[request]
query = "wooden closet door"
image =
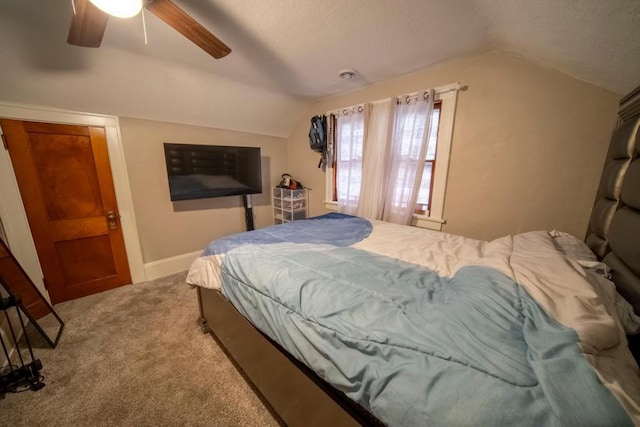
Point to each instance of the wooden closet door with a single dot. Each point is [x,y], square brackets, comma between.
[65,181]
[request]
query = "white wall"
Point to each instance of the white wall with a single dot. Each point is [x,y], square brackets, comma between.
[168,229]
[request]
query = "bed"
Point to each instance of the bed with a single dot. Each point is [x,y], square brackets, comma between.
[338,320]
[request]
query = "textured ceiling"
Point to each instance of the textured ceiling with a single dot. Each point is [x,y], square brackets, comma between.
[287,52]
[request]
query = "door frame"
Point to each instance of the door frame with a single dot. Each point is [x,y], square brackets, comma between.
[13,215]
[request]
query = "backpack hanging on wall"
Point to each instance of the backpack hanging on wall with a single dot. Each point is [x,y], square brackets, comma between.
[318,138]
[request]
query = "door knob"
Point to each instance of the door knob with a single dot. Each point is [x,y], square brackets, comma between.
[112,220]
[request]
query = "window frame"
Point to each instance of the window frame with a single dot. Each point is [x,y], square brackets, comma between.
[434,219]
[437,105]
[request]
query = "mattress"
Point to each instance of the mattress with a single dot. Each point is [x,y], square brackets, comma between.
[423,327]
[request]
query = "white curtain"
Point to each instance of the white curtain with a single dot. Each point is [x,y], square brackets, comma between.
[407,156]
[376,153]
[350,134]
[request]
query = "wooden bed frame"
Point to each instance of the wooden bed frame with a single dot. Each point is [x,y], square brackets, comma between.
[299,397]
[294,392]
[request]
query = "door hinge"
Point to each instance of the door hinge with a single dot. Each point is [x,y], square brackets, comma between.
[5,142]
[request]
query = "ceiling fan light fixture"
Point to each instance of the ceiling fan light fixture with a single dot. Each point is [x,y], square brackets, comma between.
[119,8]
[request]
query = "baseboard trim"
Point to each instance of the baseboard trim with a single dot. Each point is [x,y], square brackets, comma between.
[167,266]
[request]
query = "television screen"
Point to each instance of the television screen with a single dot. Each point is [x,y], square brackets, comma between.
[202,171]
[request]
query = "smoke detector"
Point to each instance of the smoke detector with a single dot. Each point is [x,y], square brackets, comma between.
[348,74]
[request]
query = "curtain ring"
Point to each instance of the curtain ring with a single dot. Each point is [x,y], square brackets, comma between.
[360,109]
[408,99]
[345,112]
[426,95]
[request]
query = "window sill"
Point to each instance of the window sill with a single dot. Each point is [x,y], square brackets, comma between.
[332,206]
[421,221]
[431,223]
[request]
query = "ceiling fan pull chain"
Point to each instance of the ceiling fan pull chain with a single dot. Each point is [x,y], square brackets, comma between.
[144,27]
[73,6]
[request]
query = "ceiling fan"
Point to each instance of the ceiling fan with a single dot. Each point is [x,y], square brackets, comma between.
[90,21]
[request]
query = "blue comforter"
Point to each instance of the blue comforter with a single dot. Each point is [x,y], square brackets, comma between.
[412,347]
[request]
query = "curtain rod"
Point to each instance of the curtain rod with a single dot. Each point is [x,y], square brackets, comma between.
[438,91]
[358,108]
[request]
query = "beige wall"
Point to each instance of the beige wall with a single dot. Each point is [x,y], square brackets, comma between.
[168,228]
[528,144]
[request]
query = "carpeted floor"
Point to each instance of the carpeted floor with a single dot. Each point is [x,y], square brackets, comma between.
[135,356]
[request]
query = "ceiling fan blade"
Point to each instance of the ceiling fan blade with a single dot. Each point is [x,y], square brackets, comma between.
[188,27]
[88,25]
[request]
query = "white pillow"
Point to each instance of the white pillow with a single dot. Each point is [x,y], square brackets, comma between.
[572,247]
[598,274]
[614,301]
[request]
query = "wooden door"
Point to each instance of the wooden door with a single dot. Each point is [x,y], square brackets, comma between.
[65,181]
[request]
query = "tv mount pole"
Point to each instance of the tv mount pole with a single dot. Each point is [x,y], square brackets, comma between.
[248,211]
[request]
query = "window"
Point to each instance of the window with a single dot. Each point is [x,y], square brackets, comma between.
[348,167]
[430,202]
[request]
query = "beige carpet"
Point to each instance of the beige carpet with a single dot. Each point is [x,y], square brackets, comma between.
[135,356]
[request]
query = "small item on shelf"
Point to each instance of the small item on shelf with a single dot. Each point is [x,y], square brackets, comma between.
[290,183]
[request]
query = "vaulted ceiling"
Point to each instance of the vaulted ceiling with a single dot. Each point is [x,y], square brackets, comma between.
[288,52]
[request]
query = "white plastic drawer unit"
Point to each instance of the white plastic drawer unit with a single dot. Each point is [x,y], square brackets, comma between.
[289,205]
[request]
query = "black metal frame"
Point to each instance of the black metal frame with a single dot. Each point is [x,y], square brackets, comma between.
[53,342]
[27,375]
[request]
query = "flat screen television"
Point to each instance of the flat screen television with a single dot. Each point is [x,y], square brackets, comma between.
[203,171]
